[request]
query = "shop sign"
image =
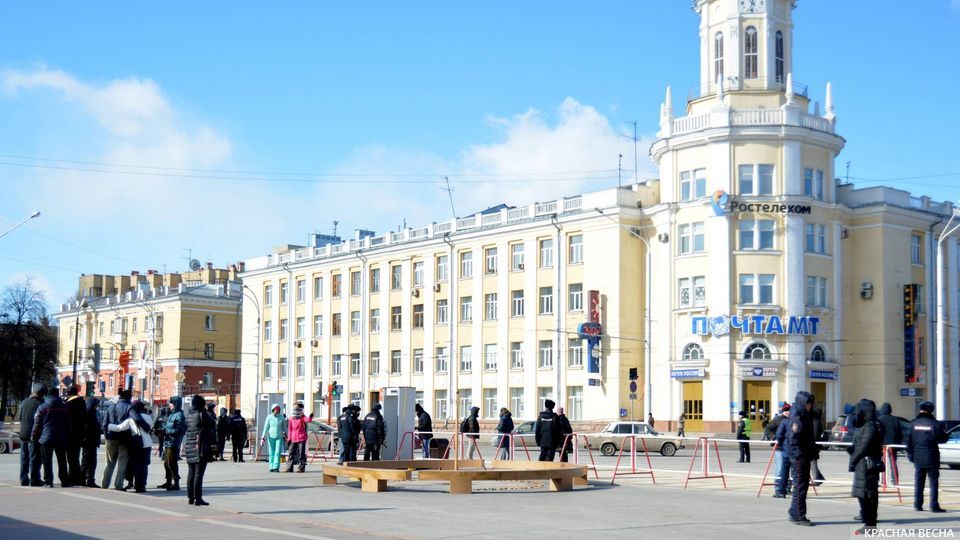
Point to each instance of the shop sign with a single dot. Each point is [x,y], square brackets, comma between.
[723,203]
[758,372]
[688,373]
[822,374]
[797,325]
[911,392]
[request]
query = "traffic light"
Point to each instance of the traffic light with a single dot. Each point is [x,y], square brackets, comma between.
[96,357]
[334,389]
[633,374]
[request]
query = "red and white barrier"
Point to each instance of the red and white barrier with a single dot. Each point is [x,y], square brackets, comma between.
[705,473]
[633,460]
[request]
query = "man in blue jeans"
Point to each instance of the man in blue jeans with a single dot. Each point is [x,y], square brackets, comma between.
[425,428]
[780,460]
[30,451]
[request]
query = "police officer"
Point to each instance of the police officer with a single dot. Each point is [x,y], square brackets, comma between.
[374,433]
[801,444]
[923,437]
[744,429]
[356,428]
[344,426]
[547,432]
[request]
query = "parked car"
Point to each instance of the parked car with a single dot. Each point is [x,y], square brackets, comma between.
[522,435]
[950,450]
[9,441]
[612,437]
[842,431]
[332,438]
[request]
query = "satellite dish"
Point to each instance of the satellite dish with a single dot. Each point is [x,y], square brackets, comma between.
[194,264]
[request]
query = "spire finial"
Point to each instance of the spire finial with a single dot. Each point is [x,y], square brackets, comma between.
[789,87]
[668,101]
[829,103]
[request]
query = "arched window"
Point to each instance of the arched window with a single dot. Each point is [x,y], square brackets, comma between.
[693,352]
[817,354]
[751,57]
[779,58]
[718,56]
[756,351]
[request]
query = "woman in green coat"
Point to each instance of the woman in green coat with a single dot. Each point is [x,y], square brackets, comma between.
[273,436]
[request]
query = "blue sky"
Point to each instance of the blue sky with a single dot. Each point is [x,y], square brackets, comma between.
[488,93]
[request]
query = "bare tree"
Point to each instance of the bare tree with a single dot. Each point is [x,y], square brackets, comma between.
[28,344]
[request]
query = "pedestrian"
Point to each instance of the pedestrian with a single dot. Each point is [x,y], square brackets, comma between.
[892,434]
[547,432]
[505,429]
[866,461]
[470,431]
[199,439]
[801,443]
[174,428]
[77,414]
[273,437]
[566,434]
[424,428]
[356,428]
[818,477]
[30,459]
[145,423]
[374,434]
[764,422]
[344,427]
[297,440]
[744,430]
[238,435]
[157,431]
[681,425]
[650,419]
[50,430]
[223,432]
[770,430]
[116,453]
[91,442]
[781,457]
[135,443]
[923,439]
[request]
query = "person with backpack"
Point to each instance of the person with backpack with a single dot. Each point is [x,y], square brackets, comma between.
[470,430]
[866,454]
[504,428]
[174,428]
[801,444]
[547,432]
[374,434]
[923,450]
[744,430]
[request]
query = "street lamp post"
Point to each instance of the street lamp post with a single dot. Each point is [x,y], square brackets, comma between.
[940,389]
[256,393]
[11,229]
[76,333]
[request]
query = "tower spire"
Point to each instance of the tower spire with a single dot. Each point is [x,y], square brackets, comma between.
[829,104]
[790,88]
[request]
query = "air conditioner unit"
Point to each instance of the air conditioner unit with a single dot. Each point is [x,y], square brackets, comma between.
[299,343]
[436,287]
[315,343]
[844,233]
[416,293]
[866,290]
[663,237]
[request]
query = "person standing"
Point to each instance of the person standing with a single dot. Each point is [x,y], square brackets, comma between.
[223,432]
[199,440]
[356,428]
[566,434]
[30,459]
[91,442]
[51,424]
[547,432]
[781,457]
[801,444]
[818,477]
[650,419]
[238,435]
[744,429]
[157,431]
[892,434]
[470,431]
[77,414]
[273,436]
[504,428]
[923,439]
[117,453]
[174,428]
[145,423]
[681,425]
[424,428]
[865,460]
[297,439]
[344,430]
[374,434]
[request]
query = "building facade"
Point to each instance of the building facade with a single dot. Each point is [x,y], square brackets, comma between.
[158,334]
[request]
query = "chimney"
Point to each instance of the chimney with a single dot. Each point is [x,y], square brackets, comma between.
[209,265]
[240,266]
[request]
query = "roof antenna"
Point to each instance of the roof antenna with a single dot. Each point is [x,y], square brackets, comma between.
[449,191]
[335,223]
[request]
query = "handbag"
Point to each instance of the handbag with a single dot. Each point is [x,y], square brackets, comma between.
[874,466]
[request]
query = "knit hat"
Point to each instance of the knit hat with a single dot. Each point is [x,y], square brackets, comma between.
[549,403]
[926,406]
[786,407]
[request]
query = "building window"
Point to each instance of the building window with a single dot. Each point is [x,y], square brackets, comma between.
[418,398]
[466,401]
[490,307]
[336,367]
[915,249]
[440,404]
[516,257]
[100,328]
[418,360]
[442,311]
[301,291]
[693,351]
[355,283]
[717,56]
[466,309]
[466,265]
[355,398]
[490,261]
[756,179]
[395,277]
[516,355]
[283,368]
[756,289]
[490,403]
[336,323]
[268,295]
[374,362]
[354,322]
[318,288]
[756,351]
[355,365]
[766,288]
[575,296]
[336,287]
[543,394]
[750,54]
[396,319]
[395,360]
[692,238]
[374,320]
[135,325]
[283,293]
[546,300]
[813,184]
[443,268]
[816,291]
[466,358]
[817,354]
[815,238]
[757,235]
[418,274]
[267,369]
[575,353]
[443,360]
[283,329]
[301,327]
[418,316]
[778,57]
[516,303]
[686,296]
[317,326]
[209,323]
[693,184]
[208,351]
[575,402]
[267,330]
[490,357]
[699,290]
[516,402]
[546,253]
[576,249]
[318,365]
[301,367]
[546,354]
[374,280]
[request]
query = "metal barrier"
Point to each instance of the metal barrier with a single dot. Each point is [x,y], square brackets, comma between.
[890,464]
[766,471]
[633,460]
[705,463]
[576,453]
[320,450]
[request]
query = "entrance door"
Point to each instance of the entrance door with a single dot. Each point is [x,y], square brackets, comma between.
[756,398]
[693,405]
[819,391]
[374,399]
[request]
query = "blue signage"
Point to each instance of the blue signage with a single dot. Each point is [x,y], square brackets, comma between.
[688,373]
[591,332]
[821,374]
[755,324]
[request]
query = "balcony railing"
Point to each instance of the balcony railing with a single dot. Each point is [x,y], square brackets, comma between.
[735,84]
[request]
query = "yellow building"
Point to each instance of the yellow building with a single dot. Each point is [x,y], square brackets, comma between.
[159,334]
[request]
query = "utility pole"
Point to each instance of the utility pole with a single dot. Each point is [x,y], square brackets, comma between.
[449,191]
[619,170]
[636,162]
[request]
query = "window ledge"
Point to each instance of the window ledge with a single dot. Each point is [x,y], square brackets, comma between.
[776,252]
[692,255]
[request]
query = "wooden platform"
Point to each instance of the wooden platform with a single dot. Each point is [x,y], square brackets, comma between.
[374,475]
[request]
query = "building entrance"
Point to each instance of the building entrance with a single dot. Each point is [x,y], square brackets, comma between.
[693,405]
[819,391]
[756,401]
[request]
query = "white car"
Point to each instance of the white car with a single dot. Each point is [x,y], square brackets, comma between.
[950,450]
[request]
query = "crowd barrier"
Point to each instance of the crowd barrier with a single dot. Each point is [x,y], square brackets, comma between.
[633,459]
[705,473]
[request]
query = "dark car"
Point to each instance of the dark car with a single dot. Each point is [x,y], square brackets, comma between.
[842,431]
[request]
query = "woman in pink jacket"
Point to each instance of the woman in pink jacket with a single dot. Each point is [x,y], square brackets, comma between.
[297,439]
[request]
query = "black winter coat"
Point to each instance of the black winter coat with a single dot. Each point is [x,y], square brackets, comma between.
[199,437]
[891,425]
[867,443]
[77,413]
[424,424]
[28,408]
[51,422]
[801,437]
[238,430]
[923,440]
[471,424]
[91,436]
[547,430]
[374,428]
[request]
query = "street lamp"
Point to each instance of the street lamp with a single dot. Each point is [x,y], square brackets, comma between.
[76,331]
[11,229]
[940,389]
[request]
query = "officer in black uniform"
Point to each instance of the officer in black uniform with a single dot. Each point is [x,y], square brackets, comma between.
[346,435]
[923,437]
[355,429]
[374,433]
[547,432]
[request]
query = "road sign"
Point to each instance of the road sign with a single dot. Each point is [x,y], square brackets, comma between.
[633,387]
[633,396]
[623,413]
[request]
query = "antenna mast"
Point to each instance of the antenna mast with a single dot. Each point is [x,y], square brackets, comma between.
[449,191]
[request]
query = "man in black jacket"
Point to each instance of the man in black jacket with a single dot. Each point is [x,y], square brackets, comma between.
[470,430]
[547,432]
[374,433]
[30,459]
[223,431]
[238,435]
[116,453]
[892,434]
[566,435]
[91,442]
[424,428]
[51,425]
[345,427]
[923,450]
[77,413]
[801,441]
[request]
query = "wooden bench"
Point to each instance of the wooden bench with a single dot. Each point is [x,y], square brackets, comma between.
[371,480]
[561,476]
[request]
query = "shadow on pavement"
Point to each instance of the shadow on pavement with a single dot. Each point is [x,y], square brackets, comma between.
[220,490]
[323,511]
[11,529]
